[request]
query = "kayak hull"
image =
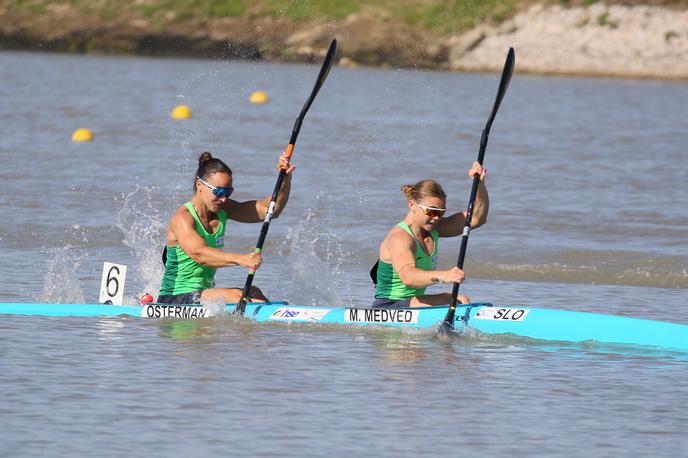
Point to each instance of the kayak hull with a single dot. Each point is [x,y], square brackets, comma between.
[535,323]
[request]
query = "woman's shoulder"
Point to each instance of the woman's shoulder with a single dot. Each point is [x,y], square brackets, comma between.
[182,215]
[398,237]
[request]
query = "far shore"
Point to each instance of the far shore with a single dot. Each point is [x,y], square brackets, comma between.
[621,41]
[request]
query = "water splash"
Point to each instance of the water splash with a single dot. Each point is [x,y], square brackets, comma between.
[143,225]
[313,259]
[61,285]
[216,307]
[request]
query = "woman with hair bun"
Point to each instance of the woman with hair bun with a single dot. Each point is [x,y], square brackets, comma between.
[408,254]
[196,235]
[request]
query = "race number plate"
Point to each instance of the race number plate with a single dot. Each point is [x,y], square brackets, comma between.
[112,283]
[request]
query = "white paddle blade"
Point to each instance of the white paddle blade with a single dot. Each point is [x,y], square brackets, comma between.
[112,283]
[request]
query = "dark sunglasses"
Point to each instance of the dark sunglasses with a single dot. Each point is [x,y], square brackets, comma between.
[218,191]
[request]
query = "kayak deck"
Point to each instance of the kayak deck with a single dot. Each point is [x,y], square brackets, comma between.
[531,322]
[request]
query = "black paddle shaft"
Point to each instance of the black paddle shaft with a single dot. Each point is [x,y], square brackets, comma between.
[448,323]
[324,71]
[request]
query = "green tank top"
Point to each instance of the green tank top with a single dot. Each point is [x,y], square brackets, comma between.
[183,274]
[389,286]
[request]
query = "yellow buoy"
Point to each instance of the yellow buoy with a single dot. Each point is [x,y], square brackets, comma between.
[181,112]
[82,135]
[259,97]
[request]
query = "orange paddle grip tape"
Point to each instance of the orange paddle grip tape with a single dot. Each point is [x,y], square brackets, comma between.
[288,151]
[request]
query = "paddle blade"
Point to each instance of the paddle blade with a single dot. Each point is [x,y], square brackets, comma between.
[507,71]
[322,76]
[445,328]
[327,63]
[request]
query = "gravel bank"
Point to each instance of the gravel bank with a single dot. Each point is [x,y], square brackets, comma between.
[622,41]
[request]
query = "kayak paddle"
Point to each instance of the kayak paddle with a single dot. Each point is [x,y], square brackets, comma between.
[324,71]
[447,325]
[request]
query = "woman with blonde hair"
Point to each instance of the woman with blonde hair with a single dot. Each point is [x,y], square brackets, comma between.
[408,254]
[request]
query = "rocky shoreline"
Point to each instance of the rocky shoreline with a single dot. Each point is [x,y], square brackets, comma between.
[619,41]
[597,40]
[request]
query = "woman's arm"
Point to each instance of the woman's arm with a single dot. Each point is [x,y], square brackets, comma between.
[401,247]
[182,226]
[453,225]
[254,211]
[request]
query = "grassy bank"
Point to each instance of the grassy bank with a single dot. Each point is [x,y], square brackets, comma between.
[431,14]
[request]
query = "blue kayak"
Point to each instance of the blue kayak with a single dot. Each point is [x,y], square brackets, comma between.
[535,323]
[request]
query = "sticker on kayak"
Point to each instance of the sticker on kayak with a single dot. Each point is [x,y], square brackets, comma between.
[299,314]
[380,316]
[501,314]
[174,311]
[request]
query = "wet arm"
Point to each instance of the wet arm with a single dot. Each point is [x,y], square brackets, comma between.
[404,263]
[182,226]
[452,226]
[254,211]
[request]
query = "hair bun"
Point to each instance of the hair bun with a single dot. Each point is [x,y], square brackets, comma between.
[406,189]
[204,157]
[208,166]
